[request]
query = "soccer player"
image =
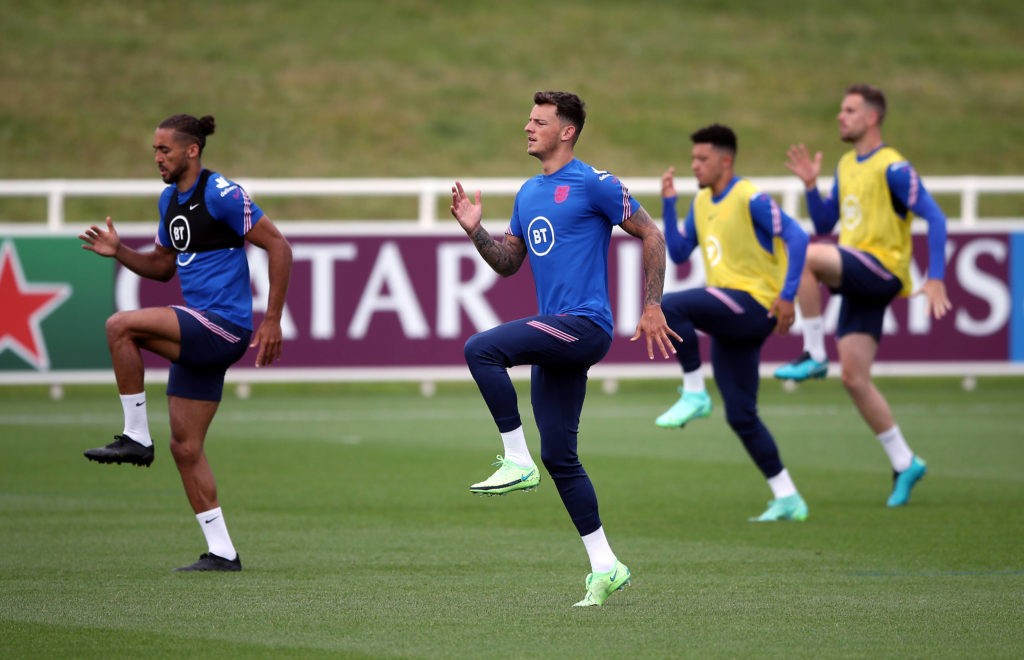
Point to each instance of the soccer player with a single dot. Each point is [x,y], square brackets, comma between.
[753,254]
[563,219]
[875,194]
[205,221]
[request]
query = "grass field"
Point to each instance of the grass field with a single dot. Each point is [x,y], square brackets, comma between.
[348,504]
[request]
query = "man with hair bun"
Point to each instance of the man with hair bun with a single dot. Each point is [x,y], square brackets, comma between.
[205,221]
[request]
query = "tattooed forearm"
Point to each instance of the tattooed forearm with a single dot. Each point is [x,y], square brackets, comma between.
[642,226]
[654,267]
[505,257]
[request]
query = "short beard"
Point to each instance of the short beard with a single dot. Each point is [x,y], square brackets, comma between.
[172,176]
[851,139]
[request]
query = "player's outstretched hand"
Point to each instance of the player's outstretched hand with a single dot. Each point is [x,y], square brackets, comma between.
[467,211]
[653,324]
[268,338]
[938,301]
[800,163]
[102,242]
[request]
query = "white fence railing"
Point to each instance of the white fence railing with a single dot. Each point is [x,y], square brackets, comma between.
[430,192]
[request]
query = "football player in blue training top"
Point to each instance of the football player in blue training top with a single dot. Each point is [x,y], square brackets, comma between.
[205,221]
[563,220]
[881,194]
[753,254]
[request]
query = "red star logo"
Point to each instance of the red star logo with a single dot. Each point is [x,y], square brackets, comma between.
[24,307]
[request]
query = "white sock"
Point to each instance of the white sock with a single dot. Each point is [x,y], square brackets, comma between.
[602,559]
[896,448]
[782,485]
[216,532]
[814,338]
[136,422]
[515,447]
[693,381]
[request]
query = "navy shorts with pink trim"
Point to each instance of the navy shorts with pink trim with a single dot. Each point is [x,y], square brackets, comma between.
[209,345]
[867,288]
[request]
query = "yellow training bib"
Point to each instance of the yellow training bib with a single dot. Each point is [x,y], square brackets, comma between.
[867,219]
[733,257]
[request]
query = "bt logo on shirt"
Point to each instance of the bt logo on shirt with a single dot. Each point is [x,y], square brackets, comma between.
[180,233]
[540,236]
[181,236]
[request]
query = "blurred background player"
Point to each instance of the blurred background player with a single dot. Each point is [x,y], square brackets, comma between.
[564,218]
[205,221]
[753,255]
[876,194]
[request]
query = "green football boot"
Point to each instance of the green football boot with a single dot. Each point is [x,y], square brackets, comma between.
[507,478]
[791,507]
[602,585]
[690,406]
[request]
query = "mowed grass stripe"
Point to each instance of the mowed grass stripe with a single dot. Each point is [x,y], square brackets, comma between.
[383,415]
[375,548]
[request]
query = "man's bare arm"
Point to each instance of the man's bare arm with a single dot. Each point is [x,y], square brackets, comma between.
[505,257]
[643,227]
[652,320]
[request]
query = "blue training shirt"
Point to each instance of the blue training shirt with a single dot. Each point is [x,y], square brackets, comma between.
[565,219]
[218,280]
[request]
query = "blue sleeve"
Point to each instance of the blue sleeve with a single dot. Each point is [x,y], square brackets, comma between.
[161,232]
[796,240]
[771,221]
[515,228]
[905,185]
[680,244]
[824,212]
[229,203]
[610,197]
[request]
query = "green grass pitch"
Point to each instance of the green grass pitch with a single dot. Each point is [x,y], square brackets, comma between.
[349,506]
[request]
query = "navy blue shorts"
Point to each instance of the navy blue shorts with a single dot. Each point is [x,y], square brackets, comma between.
[209,345]
[867,288]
